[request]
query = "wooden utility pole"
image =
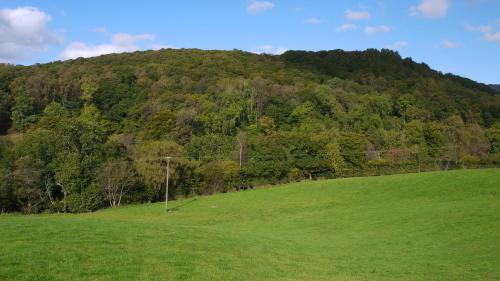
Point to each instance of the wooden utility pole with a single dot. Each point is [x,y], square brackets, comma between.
[167,158]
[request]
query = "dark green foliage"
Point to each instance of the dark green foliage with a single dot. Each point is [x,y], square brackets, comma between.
[88,199]
[308,154]
[269,157]
[5,109]
[8,199]
[26,178]
[160,126]
[219,176]
[231,119]
[353,147]
[495,87]
[210,147]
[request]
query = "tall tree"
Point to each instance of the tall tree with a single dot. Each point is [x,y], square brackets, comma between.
[149,160]
[115,178]
[27,175]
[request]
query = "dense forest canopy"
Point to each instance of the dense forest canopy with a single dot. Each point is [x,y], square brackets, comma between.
[87,133]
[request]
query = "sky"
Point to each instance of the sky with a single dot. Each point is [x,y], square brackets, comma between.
[457,36]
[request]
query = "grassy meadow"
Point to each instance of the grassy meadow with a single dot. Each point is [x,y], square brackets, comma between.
[427,226]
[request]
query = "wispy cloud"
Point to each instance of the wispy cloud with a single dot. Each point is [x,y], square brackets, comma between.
[431,8]
[268,49]
[346,27]
[448,44]
[488,32]
[357,15]
[398,45]
[120,43]
[312,20]
[371,30]
[24,31]
[481,28]
[493,37]
[256,7]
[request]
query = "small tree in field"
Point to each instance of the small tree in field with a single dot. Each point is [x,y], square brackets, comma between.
[115,178]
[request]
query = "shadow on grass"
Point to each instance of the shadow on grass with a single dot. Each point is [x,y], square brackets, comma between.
[177,208]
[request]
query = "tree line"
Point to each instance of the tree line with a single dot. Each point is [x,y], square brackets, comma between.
[93,133]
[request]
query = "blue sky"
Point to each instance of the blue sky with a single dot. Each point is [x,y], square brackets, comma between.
[458,36]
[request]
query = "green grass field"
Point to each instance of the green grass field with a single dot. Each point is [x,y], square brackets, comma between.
[428,226]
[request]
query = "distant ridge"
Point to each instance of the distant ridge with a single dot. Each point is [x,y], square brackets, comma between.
[495,87]
[378,63]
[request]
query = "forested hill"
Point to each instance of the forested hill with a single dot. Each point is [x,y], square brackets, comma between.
[231,119]
[367,66]
[195,71]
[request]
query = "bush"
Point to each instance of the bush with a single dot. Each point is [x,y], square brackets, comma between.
[90,199]
[295,174]
[220,176]
[469,160]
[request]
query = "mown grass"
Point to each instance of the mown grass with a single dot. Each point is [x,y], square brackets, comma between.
[427,226]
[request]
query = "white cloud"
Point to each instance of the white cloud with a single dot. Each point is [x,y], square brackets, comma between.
[481,28]
[498,21]
[120,43]
[24,31]
[255,7]
[448,44]
[268,49]
[312,20]
[431,8]
[398,45]
[357,15]
[371,30]
[486,30]
[493,37]
[346,27]
[280,51]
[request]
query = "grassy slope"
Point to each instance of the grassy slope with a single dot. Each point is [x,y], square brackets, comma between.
[429,226]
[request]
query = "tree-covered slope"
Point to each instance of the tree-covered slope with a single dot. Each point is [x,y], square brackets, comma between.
[427,226]
[231,119]
[495,87]
[386,71]
[196,71]
[365,66]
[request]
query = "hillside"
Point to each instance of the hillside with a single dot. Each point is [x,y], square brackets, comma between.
[230,120]
[190,71]
[496,87]
[427,226]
